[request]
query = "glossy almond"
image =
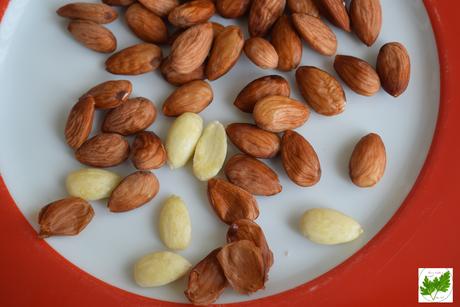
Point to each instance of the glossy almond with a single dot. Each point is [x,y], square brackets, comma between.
[287,44]
[110,94]
[393,67]
[368,161]
[93,36]
[135,60]
[147,151]
[119,2]
[263,14]
[178,79]
[303,7]
[359,75]
[261,52]
[336,12]
[160,7]
[193,97]
[191,13]
[103,150]
[366,19]
[232,8]
[316,33]
[79,122]
[97,12]
[300,160]
[146,25]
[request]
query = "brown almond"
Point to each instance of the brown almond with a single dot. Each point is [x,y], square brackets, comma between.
[178,79]
[232,8]
[359,75]
[79,122]
[134,191]
[366,19]
[160,7]
[300,160]
[263,14]
[320,90]
[261,52]
[97,12]
[303,7]
[64,217]
[135,60]
[193,97]
[231,202]
[147,151]
[110,94]
[103,150]
[287,44]
[316,33]
[393,67]
[93,36]
[252,175]
[119,2]
[191,13]
[368,161]
[261,88]
[146,25]
[336,12]
[217,28]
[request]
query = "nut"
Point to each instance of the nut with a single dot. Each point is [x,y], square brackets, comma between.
[174,224]
[336,12]
[103,150]
[80,122]
[191,13]
[393,67]
[193,97]
[366,19]
[316,33]
[110,94]
[232,8]
[93,36]
[146,25]
[261,52]
[91,183]
[118,2]
[160,7]
[135,60]
[176,78]
[303,7]
[287,44]
[263,14]
[97,12]
[147,151]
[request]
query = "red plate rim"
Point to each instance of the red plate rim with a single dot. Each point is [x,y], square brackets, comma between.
[422,233]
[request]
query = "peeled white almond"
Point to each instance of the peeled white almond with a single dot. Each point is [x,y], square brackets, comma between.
[174,226]
[92,183]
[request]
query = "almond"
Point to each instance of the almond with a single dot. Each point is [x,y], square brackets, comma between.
[119,2]
[366,19]
[193,97]
[103,150]
[261,88]
[300,160]
[110,94]
[97,12]
[316,33]
[252,175]
[135,60]
[134,191]
[261,52]
[191,13]
[287,44]
[80,122]
[279,113]
[64,217]
[176,78]
[263,14]
[303,7]
[368,161]
[321,90]
[174,224]
[232,8]
[91,183]
[393,67]
[225,52]
[254,141]
[336,12]
[146,25]
[160,7]
[217,28]
[147,151]
[359,75]
[93,36]
[231,202]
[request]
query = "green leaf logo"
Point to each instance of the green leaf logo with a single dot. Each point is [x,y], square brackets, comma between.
[441,284]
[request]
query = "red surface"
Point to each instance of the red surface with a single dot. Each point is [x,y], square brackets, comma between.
[423,233]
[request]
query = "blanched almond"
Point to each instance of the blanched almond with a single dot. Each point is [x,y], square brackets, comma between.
[316,33]
[191,13]
[93,36]
[110,94]
[91,183]
[359,75]
[174,224]
[79,122]
[97,12]
[135,60]
[103,150]
[193,97]
[148,151]
[261,52]
[287,44]
[146,25]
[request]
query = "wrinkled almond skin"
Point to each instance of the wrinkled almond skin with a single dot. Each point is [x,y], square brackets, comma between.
[79,122]
[146,25]
[368,161]
[225,52]
[206,281]
[263,14]
[97,12]
[110,94]
[147,151]
[359,75]
[393,67]
[254,141]
[336,12]
[191,13]
[261,88]
[134,191]
[320,90]
[287,44]
[261,52]
[103,150]
[252,175]
[217,28]
[135,60]
[135,115]
[178,79]
[279,113]
[300,160]
[366,19]
[160,7]
[232,8]
[303,7]
[93,36]
[64,217]
[231,202]
[316,33]
[193,97]
[119,2]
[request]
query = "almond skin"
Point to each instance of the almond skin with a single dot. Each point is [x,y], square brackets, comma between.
[261,53]
[79,122]
[300,160]
[368,161]
[191,13]
[146,25]
[178,79]
[134,191]
[135,60]
[287,44]
[366,19]
[279,113]
[193,97]
[147,151]
[96,12]
[316,33]
[321,90]
[135,115]
[359,75]
[103,150]
[232,8]
[110,94]
[263,14]
[252,175]
[303,7]
[336,12]
[119,2]
[261,88]
[393,67]
[93,36]
[160,7]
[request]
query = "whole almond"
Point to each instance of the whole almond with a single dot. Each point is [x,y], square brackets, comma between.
[321,90]
[261,52]
[64,217]
[97,12]
[263,14]
[336,12]
[366,19]
[193,97]
[91,183]
[231,202]
[232,8]
[393,67]
[261,88]
[160,7]
[359,75]
[119,2]
[135,60]
[225,52]
[134,191]
[191,13]
[110,94]
[303,7]
[279,113]
[93,36]
[368,161]
[287,44]
[79,122]
[103,150]
[300,160]
[217,28]
[254,141]
[316,33]
[252,175]
[174,224]
[176,78]
[146,25]
[147,151]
